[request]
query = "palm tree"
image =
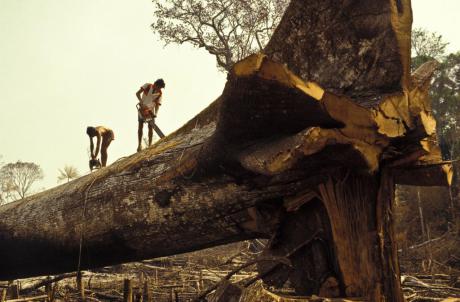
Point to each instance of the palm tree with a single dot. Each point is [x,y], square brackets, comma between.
[69,173]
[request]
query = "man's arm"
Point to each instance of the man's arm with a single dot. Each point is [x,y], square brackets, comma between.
[98,145]
[138,94]
[91,147]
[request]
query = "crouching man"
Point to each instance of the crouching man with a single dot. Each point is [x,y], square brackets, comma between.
[104,136]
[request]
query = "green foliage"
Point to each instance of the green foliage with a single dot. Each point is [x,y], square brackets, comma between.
[17,178]
[445,87]
[426,46]
[446,104]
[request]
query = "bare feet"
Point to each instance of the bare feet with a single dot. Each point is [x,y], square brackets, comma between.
[139,148]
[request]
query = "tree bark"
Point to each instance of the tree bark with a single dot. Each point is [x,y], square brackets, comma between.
[134,210]
[349,227]
[360,49]
[303,147]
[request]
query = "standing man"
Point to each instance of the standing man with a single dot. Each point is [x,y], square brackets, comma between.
[104,136]
[149,96]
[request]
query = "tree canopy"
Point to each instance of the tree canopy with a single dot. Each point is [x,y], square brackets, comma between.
[228,29]
[68,173]
[445,88]
[426,46]
[445,93]
[17,178]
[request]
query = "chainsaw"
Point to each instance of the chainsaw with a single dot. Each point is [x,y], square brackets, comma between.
[149,118]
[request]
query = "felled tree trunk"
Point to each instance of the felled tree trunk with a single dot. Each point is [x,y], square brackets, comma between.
[148,205]
[303,147]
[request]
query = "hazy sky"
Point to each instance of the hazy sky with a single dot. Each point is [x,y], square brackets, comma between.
[67,64]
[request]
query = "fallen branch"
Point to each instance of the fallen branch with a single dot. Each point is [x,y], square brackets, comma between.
[230,259]
[103,295]
[292,252]
[284,259]
[426,299]
[204,293]
[436,276]
[446,266]
[28,299]
[416,246]
[39,284]
[418,290]
[436,288]
[92,299]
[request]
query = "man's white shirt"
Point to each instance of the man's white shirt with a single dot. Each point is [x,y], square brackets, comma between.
[149,96]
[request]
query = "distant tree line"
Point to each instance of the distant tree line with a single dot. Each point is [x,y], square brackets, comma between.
[17,179]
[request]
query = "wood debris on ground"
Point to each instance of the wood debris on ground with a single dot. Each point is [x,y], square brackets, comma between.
[184,277]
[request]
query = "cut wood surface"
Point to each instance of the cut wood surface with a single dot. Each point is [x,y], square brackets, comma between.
[330,108]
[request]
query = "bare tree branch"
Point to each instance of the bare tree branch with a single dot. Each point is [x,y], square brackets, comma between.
[229,30]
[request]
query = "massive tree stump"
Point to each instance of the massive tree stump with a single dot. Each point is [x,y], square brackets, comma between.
[303,147]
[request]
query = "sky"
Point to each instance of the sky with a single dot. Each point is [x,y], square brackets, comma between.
[66,65]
